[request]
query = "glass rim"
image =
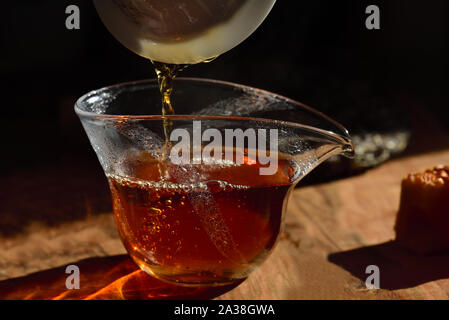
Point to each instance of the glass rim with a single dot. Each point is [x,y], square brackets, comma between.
[99,116]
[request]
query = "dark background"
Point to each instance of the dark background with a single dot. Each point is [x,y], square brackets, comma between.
[316,51]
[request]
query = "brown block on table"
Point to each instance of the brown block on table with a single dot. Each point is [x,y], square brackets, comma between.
[422,223]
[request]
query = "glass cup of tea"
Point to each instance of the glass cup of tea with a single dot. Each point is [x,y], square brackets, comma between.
[198,198]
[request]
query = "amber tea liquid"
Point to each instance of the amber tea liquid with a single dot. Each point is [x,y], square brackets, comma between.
[185,228]
[207,224]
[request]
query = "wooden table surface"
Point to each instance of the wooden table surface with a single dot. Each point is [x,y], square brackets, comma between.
[333,231]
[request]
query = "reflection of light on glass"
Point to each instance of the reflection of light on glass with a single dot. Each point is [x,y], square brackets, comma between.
[204,29]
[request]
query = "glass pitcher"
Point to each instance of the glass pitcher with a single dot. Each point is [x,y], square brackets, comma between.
[198,197]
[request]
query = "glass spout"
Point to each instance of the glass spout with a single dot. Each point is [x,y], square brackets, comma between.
[309,136]
[335,144]
[330,145]
[348,150]
[309,146]
[303,128]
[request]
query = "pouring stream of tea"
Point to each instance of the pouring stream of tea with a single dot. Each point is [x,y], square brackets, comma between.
[183,33]
[166,73]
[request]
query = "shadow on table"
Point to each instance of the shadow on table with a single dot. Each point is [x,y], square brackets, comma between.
[109,278]
[399,268]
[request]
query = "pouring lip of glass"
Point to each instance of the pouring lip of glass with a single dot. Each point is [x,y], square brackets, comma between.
[344,138]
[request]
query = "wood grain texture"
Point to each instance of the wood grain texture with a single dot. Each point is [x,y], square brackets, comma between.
[332,232]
